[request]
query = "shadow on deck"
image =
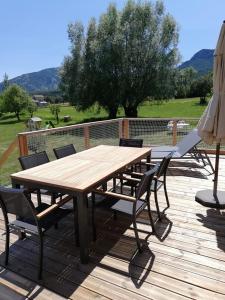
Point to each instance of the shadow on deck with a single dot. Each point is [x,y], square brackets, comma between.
[186,258]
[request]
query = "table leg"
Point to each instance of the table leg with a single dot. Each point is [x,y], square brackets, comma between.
[83,227]
[148,159]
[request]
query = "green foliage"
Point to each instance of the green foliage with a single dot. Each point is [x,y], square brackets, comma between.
[31,108]
[184,80]
[15,99]
[55,110]
[127,56]
[202,88]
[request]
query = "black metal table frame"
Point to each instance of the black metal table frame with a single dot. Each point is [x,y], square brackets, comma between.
[81,206]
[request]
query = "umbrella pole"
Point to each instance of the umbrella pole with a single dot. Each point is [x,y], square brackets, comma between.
[216,170]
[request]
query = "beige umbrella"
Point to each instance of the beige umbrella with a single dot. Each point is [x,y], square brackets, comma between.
[211,126]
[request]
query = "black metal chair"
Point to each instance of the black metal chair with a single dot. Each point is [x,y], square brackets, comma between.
[34,160]
[64,151]
[133,206]
[159,180]
[30,219]
[137,143]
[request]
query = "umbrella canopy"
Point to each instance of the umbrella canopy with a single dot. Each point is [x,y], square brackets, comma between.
[211,127]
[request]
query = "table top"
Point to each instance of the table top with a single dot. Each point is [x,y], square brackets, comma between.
[83,170]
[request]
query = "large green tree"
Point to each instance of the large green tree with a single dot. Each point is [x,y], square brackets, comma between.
[15,99]
[126,57]
[184,81]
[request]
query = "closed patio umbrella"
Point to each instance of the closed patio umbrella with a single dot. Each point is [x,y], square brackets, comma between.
[211,126]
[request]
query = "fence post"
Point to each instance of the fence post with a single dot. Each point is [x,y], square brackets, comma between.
[22,139]
[121,128]
[126,128]
[86,137]
[174,132]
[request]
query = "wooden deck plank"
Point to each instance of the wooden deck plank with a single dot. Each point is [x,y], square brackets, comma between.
[189,263]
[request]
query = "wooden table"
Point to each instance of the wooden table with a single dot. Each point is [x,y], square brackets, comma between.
[78,174]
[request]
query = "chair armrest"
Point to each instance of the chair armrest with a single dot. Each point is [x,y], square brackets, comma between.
[53,207]
[128,178]
[115,195]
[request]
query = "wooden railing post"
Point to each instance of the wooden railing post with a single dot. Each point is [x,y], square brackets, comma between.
[23,146]
[121,128]
[8,151]
[126,128]
[174,132]
[86,137]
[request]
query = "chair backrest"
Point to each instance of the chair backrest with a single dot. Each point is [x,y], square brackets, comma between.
[63,151]
[138,143]
[145,183]
[188,142]
[14,201]
[164,165]
[33,160]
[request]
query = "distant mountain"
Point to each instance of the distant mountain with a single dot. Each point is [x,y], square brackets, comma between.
[45,80]
[48,79]
[202,61]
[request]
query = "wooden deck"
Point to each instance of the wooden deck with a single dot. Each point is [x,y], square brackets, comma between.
[185,261]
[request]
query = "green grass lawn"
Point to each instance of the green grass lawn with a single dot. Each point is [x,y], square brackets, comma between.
[9,126]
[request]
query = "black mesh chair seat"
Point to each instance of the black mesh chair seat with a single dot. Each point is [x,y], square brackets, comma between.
[30,219]
[156,185]
[127,207]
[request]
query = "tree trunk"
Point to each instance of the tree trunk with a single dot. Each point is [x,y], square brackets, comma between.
[18,116]
[131,112]
[113,112]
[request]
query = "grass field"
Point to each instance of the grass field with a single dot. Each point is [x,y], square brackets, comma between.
[9,126]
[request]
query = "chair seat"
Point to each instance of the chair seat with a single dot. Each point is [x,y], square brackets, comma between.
[127,207]
[158,186]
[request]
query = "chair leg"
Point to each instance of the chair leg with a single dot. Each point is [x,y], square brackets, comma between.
[150,217]
[157,204]
[166,195]
[53,197]
[136,235]
[94,236]
[38,197]
[121,186]
[7,246]
[40,256]
[114,184]
[76,224]
[114,215]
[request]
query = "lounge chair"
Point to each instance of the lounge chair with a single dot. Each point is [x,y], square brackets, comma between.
[186,148]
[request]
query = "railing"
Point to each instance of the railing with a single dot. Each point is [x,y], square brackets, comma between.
[153,131]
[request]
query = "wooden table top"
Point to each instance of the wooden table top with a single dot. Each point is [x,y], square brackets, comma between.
[83,170]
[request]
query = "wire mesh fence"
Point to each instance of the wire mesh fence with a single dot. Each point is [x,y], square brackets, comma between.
[153,131]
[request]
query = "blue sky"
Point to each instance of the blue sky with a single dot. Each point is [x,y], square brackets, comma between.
[33,33]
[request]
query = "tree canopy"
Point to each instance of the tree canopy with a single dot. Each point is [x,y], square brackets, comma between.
[124,58]
[15,99]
